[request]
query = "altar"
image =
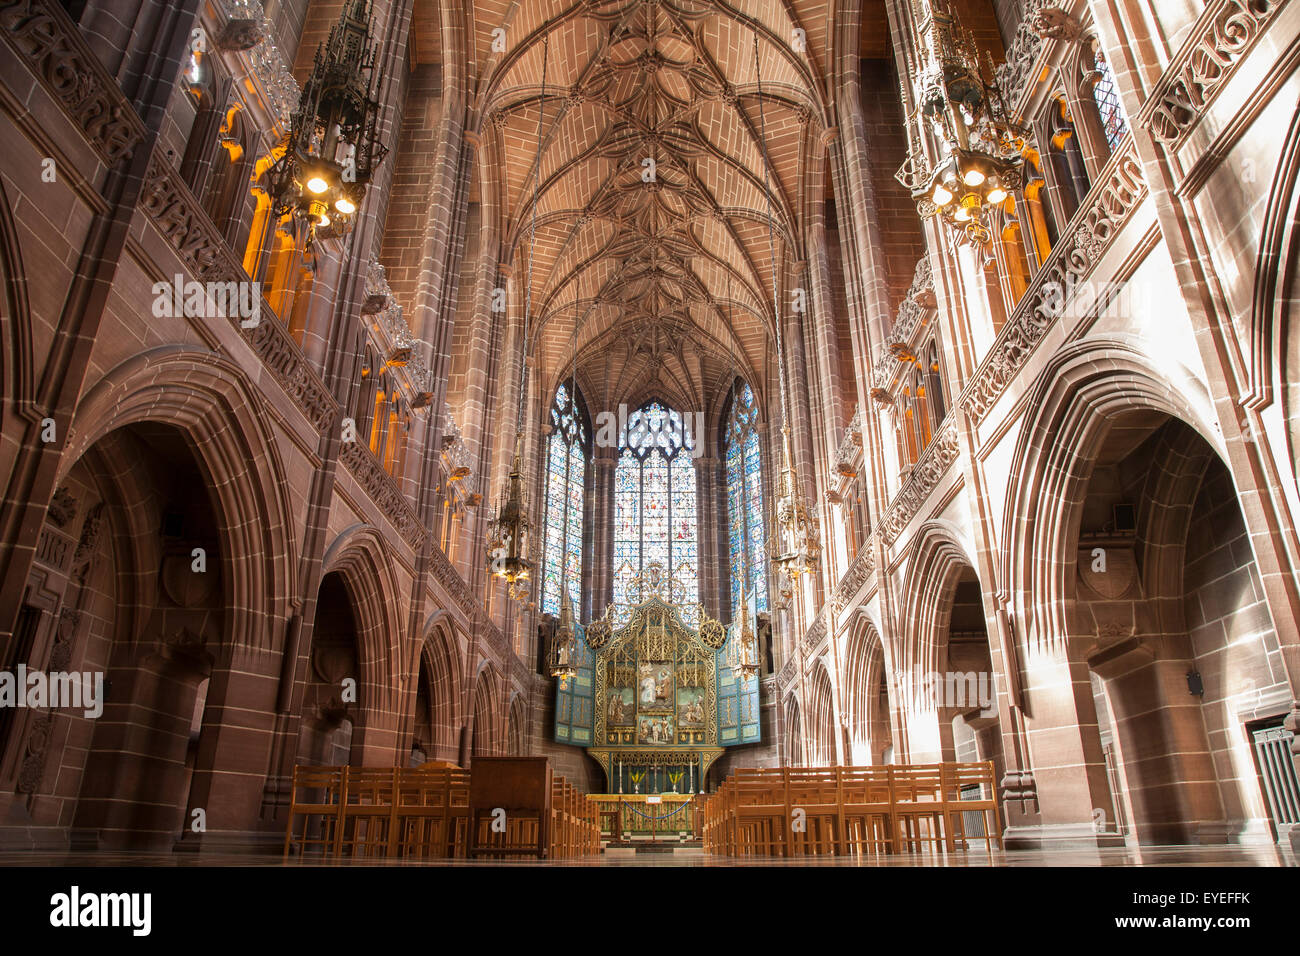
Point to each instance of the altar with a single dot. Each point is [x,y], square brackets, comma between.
[653,697]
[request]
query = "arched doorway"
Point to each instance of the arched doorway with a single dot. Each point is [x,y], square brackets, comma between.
[332,699]
[132,592]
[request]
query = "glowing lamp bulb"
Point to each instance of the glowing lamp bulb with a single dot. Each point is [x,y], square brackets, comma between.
[997,194]
[942,196]
[962,214]
[345,206]
[972,177]
[317,185]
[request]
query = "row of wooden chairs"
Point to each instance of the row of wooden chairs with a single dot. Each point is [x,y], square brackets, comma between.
[575,824]
[365,812]
[806,811]
[418,813]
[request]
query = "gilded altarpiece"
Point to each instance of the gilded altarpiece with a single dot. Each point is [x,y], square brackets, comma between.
[664,702]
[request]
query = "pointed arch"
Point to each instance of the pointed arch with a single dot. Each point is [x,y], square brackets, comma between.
[363,558]
[568,453]
[742,456]
[218,409]
[1085,388]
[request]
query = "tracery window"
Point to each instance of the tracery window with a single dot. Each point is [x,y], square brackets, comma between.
[746,532]
[566,474]
[654,504]
[1106,95]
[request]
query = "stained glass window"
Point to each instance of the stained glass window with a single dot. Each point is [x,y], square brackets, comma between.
[654,505]
[566,472]
[747,536]
[1106,95]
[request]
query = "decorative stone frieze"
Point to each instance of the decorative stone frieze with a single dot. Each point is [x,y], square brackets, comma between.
[925,475]
[1221,38]
[1120,190]
[46,39]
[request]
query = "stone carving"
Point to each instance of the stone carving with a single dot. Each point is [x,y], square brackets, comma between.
[63,507]
[1014,75]
[394,332]
[1223,36]
[455,585]
[180,219]
[1121,189]
[855,578]
[847,454]
[911,313]
[271,71]
[815,635]
[1053,23]
[49,42]
[383,491]
[784,678]
[931,467]
[243,27]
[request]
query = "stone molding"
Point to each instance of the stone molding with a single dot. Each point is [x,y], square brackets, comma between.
[929,469]
[1110,204]
[46,39]
[1218,42]
[382,489]
[182,221]
[857,575]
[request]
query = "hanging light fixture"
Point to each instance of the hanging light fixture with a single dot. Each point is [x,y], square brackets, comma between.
[793,542]
[564,647]
[509,534]
[333,146]
[742,652]
[965,156]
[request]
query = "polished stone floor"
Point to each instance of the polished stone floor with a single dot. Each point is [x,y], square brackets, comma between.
[1169,856]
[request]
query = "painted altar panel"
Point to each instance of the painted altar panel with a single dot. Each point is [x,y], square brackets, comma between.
[653,699]
[655,681]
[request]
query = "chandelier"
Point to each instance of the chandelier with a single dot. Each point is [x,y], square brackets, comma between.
[742,649]
[965,156]
[333,145]
[793,544]
[564,645]
[508,534]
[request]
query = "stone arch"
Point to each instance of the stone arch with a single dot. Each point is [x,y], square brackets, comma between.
[793,732]
[363,559]
[867,694]
[516,726]
[1274,337]
[17,391]
[486,732]
[211,401]
[440,661]
[821,717]
[939,555]
[1124,626]
[1082,391]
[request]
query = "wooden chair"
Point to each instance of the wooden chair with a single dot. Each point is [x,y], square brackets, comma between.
[819,829]
[432,805]
[366,813]
[760,814]
[977,783]
[867,809]
[917,809]
[314,798]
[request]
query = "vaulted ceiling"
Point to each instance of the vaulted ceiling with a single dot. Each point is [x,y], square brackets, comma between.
[666,278]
